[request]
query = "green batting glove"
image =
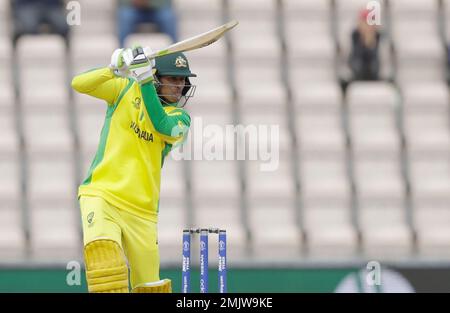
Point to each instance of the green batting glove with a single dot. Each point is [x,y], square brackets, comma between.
[117,64]
[139,66]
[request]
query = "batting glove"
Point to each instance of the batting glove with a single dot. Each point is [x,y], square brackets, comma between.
[117,64]
[139,66]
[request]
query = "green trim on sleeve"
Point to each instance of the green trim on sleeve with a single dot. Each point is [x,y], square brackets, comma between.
[165,152]
[173,125]
[124,91]
[104,134]
[102,145]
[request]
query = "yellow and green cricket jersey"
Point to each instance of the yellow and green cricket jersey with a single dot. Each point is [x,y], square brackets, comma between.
[137,134]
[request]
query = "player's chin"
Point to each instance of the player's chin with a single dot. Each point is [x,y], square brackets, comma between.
[174,99]
[177,98]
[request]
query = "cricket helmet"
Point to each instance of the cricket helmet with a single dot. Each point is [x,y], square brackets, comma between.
[175,64]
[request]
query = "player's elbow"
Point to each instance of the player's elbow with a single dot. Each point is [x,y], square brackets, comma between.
[77,84]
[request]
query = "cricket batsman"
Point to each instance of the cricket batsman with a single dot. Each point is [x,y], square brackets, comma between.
[119,199]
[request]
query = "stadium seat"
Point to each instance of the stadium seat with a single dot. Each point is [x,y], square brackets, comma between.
[325,194]
[9,140]
[260,86]
[309,42]
[425,97]
[447,20]
[54,94]
[214,54]
[379,179]
[320,133]
[425,118]
[198,8]
[197,17]
[172,219]
[11,222]
[222,214]
[430,178]
[208,133]
[207,99]
[51,180]
[101,7]
[307,7]
[257,30]
[189,26]
[420,11]
[329,229]
[318,97]
[420,59]
[424,14]
[372,97]
[271,183]
[98,18]
[274,229]
[7,98]
[249,47]
[386,233]
[55,230]
[43,76]
[433,224]
[311,57]
[254,8]
[215,180]
[11,231]
[6,77]
[155,41]
[172,180]
[373,108]
[324,177]
[419,52]
[89,52]
[212,90]
[427,133]
[47,133]
[430,185]
[374,133]
[10,184]
[319,123]
[48,50]
[52,196]
[267,129]
[5,21]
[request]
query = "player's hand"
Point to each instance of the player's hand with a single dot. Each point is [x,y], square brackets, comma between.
[139,66]
[117,64]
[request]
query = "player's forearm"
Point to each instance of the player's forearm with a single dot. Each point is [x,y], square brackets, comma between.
[164,123]
[88,82]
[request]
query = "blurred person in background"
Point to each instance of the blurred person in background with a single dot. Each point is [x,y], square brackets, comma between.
[131,13]
[448,63]
[364,58]
[30,15]
[119,199]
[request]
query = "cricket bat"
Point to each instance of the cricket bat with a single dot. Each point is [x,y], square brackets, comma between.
[192,43]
